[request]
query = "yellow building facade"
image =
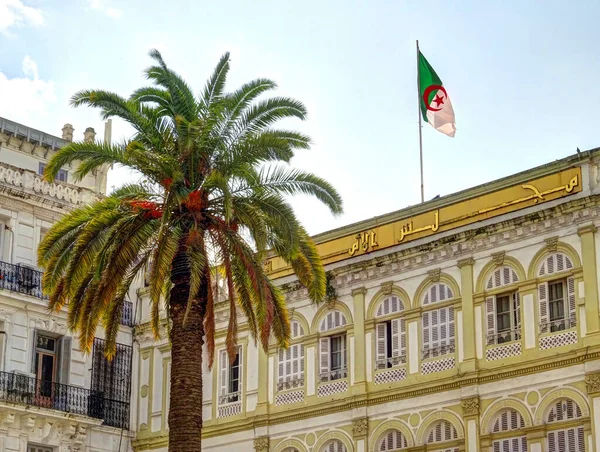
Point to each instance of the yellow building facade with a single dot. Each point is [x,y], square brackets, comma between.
[466,323]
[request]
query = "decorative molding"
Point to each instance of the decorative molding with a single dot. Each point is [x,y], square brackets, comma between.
[467,261]
[592,383]
[470,406]
[360,427]
[434,275]
[587,229]
[359,291]
[261,444]
[551,244]
[498,258]
[386,287]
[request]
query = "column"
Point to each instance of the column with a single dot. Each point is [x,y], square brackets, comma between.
[358,296]
[592,383]
[468,316]
[470,409]
[587,235]
[263,381]
[360,429]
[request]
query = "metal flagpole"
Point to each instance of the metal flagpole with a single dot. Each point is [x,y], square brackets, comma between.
[420,126]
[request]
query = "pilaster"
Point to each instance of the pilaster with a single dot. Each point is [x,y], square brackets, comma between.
[360,430]
[587,235]
[468,315]
[592,383]
[263,381]
[470,408]
[358,296]
[536,440]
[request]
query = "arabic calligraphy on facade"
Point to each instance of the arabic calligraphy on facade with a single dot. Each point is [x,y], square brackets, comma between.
[365,241]
[407,229]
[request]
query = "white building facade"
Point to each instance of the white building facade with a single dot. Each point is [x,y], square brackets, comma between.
[52,397]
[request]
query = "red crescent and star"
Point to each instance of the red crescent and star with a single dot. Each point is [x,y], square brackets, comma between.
[439,100]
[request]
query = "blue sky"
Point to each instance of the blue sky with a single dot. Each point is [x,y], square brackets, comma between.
[521,76]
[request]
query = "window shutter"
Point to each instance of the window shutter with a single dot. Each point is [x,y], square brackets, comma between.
[34,345]
[490,313]
[517,308]
[402,325]
[281,366]
[444,323]
[223,372]
[396,337]
[543,301]
[344,360]
[451,325]
[324,352]
[572,303]
[301,360]
[381,341]
[426,330]
[435,329]
[241,371]
[64,360]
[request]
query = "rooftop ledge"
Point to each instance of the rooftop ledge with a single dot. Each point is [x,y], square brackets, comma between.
[31,182]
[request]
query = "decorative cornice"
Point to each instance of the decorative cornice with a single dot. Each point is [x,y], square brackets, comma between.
[360,427]
[498,258]
[261,444]
[551,244]
[434,275]
[470,406]
[592,383]
[467,261]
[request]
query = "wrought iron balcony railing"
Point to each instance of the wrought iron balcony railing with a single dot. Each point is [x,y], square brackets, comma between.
[290,384]
[331,375]
[18,278]
[558,325]
[28,281]
[232,397]
[18,388]
[434,352]
[504,336]
[386,363]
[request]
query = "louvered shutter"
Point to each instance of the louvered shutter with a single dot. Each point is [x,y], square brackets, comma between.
[426,330]
[444,323]
[517,308]
[451,325]
[324,358]
[223,362]
[396,337]
[381,332]
[64,360]
[344,358]
[301,360]
[295,361]
[571,298]
[240,371]
[490,314]
[402,329]
[543,302]
[435,329]
[281,374]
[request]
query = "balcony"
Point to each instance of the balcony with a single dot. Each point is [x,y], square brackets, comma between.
[28,281]
[387,363]
[18,278]
[26,390]
[503,337]
[555,326]
[441,350]
[335,374]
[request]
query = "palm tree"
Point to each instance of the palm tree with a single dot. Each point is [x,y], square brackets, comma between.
[214,194]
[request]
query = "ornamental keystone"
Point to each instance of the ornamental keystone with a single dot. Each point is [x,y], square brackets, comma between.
[498,258]
[261,444]
[552,244]
[470,406]
[359,427]
[435,274]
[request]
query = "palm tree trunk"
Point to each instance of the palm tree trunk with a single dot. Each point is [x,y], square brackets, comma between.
[185,413]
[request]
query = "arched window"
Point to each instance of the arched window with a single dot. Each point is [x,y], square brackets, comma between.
[557,304]
[438,324]
[508,421]
[569,439]
[502,276]
[392,440]
[334,446]
[440,432]
[436,293]
[332,348]
[390,334]
[291,362]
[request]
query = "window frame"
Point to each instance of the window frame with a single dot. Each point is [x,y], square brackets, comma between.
[333,374]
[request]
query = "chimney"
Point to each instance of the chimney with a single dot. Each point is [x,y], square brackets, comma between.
[67,131]
[89,135]
[108,131]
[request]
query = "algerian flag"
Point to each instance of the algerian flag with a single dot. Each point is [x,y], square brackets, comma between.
[433,98]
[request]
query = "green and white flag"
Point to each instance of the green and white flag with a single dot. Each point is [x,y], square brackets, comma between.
[436,107]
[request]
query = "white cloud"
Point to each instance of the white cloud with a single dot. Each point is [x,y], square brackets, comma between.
[100,6]
[27,96]
[13,13]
